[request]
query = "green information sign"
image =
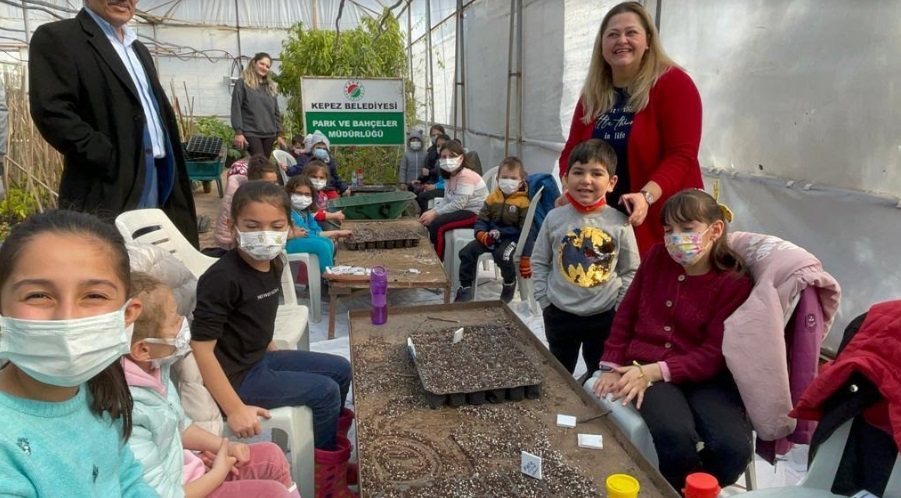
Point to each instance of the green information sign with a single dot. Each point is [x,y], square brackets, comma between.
[352,111]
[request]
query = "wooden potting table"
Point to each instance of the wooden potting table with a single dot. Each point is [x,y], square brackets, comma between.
[406,448]
[429,271]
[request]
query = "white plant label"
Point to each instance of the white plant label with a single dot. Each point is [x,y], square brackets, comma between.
[566,421]
[593,441]
[458,335]
[530,465]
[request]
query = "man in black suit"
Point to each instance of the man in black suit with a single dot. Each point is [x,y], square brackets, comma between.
[96,97]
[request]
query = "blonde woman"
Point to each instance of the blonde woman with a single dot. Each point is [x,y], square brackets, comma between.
[255,115]
[648,109]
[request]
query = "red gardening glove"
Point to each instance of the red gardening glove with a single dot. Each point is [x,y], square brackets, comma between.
[485,239]
[525,267]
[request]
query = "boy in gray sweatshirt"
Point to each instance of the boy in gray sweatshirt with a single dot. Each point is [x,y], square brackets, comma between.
[584,259]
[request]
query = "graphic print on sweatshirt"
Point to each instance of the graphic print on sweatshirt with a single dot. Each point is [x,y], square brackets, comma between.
[587,256]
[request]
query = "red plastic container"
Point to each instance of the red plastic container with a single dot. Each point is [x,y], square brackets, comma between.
[701,485]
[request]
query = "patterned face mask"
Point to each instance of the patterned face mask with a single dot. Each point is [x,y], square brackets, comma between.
[686,248]
[262,245]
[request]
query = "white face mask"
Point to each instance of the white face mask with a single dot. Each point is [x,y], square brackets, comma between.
[263,245]
[64,353]
[182,343]
[415,145]
[508,185]
[319,184]
[300,202]
[450,164]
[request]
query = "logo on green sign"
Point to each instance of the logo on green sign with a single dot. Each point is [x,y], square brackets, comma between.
[353,90]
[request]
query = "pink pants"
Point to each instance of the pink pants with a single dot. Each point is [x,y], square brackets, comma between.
[265,475]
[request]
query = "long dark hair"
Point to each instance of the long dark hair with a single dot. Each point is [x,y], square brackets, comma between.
[260,191]
[455,147]
[696,205]
[109,390]
[301,181]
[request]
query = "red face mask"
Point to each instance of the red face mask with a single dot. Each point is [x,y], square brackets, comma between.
[583,208]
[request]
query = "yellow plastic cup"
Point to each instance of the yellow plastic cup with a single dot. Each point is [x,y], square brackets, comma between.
[622,486]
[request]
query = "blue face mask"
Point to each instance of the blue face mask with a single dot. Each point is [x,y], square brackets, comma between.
[321,154]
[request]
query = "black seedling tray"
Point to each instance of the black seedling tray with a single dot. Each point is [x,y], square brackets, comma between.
[200,147]
[380,244]
[486,366]
[375,236]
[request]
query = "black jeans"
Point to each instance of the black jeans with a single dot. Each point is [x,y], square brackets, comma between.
[260,145]
[680,416]
[567,332]
[424,197]
[503,258]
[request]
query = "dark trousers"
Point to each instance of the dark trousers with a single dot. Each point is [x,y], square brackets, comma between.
[680,416]
[260,145]
[503,258]
[447,222]
[566,333]
[424,197]
[301,378]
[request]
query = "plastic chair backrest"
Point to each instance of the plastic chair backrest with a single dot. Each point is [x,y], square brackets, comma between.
[152,226]
[283,157]
[527,224]
[490,178]
[824,467]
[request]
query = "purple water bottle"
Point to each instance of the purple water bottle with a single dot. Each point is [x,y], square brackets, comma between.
[378,287]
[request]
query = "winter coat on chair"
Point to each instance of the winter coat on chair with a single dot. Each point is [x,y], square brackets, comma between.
[754,342]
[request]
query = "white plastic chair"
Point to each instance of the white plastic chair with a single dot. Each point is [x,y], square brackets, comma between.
[821,473]
[292,431]
[285,159]
[292,327]
[152,226]
[314,278]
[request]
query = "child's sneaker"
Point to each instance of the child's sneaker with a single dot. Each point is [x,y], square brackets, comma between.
[464,295]
[508,291]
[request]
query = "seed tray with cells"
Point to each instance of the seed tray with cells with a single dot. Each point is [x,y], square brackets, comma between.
[382,237]
[485,365]
[405,449]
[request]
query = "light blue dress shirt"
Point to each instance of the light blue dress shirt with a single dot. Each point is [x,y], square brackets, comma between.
[139,77]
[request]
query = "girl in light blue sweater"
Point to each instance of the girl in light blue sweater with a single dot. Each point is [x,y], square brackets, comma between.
[64,403]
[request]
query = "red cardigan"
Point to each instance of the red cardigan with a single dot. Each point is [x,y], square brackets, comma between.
[669,316]
[875,352]
[663,146]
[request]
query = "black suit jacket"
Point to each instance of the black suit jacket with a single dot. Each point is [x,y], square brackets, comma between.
[86,105]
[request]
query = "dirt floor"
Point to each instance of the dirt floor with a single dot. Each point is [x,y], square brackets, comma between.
[208,205]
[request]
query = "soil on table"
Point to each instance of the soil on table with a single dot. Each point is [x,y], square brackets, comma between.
[407,449]
[487,358]
[489,438]
[380,236]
